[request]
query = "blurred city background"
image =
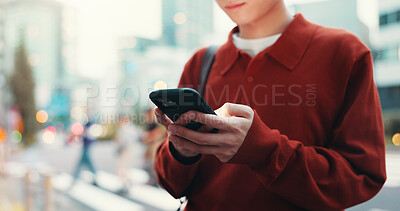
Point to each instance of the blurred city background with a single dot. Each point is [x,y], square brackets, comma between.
[75,74]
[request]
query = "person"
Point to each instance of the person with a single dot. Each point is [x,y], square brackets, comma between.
[85,160]
[127,137]
[298,113]
[153,136]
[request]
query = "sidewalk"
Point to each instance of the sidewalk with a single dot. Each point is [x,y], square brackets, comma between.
[13,197]
[89,197]
[10,195]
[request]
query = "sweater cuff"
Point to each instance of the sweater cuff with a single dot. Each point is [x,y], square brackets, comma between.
[180,158]
[258,144]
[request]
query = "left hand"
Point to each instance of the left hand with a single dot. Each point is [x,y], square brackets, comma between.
[233,122]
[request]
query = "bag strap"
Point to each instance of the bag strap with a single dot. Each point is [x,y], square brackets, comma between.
[206,65]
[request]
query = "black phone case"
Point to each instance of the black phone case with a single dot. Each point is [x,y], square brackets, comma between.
[175,102]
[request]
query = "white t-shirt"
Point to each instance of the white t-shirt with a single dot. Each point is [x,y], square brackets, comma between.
[254,46]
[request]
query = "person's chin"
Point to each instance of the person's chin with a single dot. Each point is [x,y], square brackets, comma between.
[237,18]
[241,21]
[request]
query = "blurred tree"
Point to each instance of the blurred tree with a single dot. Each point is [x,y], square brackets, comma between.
[22,85]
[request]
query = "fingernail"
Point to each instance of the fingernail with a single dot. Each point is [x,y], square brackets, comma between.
[157,113]
[192,115]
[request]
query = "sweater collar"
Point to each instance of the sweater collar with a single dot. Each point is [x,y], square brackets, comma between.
[287,50]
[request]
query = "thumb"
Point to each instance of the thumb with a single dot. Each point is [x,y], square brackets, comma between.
[232,109]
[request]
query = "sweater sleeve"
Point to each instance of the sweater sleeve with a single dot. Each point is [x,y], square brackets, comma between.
[349,170]
[174,175]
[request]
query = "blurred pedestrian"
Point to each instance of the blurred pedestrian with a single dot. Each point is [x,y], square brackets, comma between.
[153,136]
[85,161]
[128,136]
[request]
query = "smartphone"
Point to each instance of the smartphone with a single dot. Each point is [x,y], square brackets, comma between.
[175,102]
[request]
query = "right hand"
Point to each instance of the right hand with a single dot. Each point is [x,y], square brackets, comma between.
[165,121]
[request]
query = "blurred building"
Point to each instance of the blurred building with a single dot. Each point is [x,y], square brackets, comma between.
[386,47]
[150,64]
[36,24]
[47,35]
[334,13]
[3,86]
[185,23]
[132,54]
[69,35]
[146,66]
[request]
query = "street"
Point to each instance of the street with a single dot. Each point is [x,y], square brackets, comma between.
[104,156]
[83,195]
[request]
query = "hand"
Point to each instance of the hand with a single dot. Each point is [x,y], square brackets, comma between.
[165,121]
[233,122]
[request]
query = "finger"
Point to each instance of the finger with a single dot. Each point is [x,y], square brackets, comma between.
[163,119]
[158,112]
[179,147]
[188,145]
[232,109]
[210,120]
[205,129]
[211,139]
[185,118]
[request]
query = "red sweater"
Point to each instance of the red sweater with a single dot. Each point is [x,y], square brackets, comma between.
[317,139]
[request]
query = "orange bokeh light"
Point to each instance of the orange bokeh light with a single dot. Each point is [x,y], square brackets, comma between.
[3,134]
[42,116]
[396,139]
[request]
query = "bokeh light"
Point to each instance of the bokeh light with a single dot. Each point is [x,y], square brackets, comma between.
[48,137]
[16,136]
[95,130]
[50,129]
[180,18]
[77,129]
[160,85]
[3,134]
[396,139]
[42,116]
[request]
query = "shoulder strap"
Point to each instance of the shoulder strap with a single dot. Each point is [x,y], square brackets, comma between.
[206,65]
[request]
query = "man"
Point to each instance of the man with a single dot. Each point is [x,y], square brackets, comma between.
[299,119]
[85,160]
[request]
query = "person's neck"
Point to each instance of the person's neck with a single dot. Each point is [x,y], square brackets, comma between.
[274,22]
